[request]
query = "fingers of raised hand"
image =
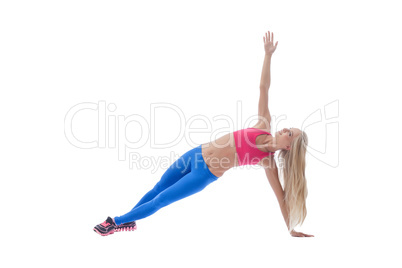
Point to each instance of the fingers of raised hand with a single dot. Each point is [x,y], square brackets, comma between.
[269,37]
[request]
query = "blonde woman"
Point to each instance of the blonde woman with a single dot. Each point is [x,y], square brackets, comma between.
[202,165]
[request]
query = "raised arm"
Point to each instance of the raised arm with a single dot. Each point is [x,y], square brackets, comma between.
[269,48]
[263,110]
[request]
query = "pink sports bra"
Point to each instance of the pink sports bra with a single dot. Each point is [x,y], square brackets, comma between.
[247,151]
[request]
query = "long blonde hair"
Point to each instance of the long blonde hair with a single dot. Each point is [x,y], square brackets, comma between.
[293,164]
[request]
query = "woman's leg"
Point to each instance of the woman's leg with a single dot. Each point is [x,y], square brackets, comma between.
[175,172]
[190,184]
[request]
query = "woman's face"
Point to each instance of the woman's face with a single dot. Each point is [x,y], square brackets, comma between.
[285,137]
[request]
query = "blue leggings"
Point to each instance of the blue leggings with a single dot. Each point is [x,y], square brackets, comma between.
[186,176]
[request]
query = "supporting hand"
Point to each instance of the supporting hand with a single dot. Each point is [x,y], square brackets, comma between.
[269,43]
[299,234]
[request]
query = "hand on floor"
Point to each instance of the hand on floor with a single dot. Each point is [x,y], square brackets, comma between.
[299,234]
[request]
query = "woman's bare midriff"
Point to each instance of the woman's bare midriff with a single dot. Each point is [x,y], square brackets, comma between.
[220,155]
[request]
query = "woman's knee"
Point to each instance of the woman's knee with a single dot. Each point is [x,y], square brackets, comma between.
[158,188]
[160,201]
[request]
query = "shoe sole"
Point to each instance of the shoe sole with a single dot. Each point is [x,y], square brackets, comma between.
[109,233]
[121,229]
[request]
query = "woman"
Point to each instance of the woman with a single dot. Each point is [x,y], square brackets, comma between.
[204,164]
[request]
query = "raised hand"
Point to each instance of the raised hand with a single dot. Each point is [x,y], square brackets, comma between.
[269,43]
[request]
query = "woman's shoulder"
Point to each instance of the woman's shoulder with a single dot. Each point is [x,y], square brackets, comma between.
[263,127]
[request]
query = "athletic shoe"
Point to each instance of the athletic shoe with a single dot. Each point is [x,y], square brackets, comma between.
[105,228]
[128,226]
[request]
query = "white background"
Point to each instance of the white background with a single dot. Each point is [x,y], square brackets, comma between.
[202,57]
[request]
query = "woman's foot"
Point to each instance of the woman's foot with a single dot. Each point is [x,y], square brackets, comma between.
[106,228]
[128,226]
